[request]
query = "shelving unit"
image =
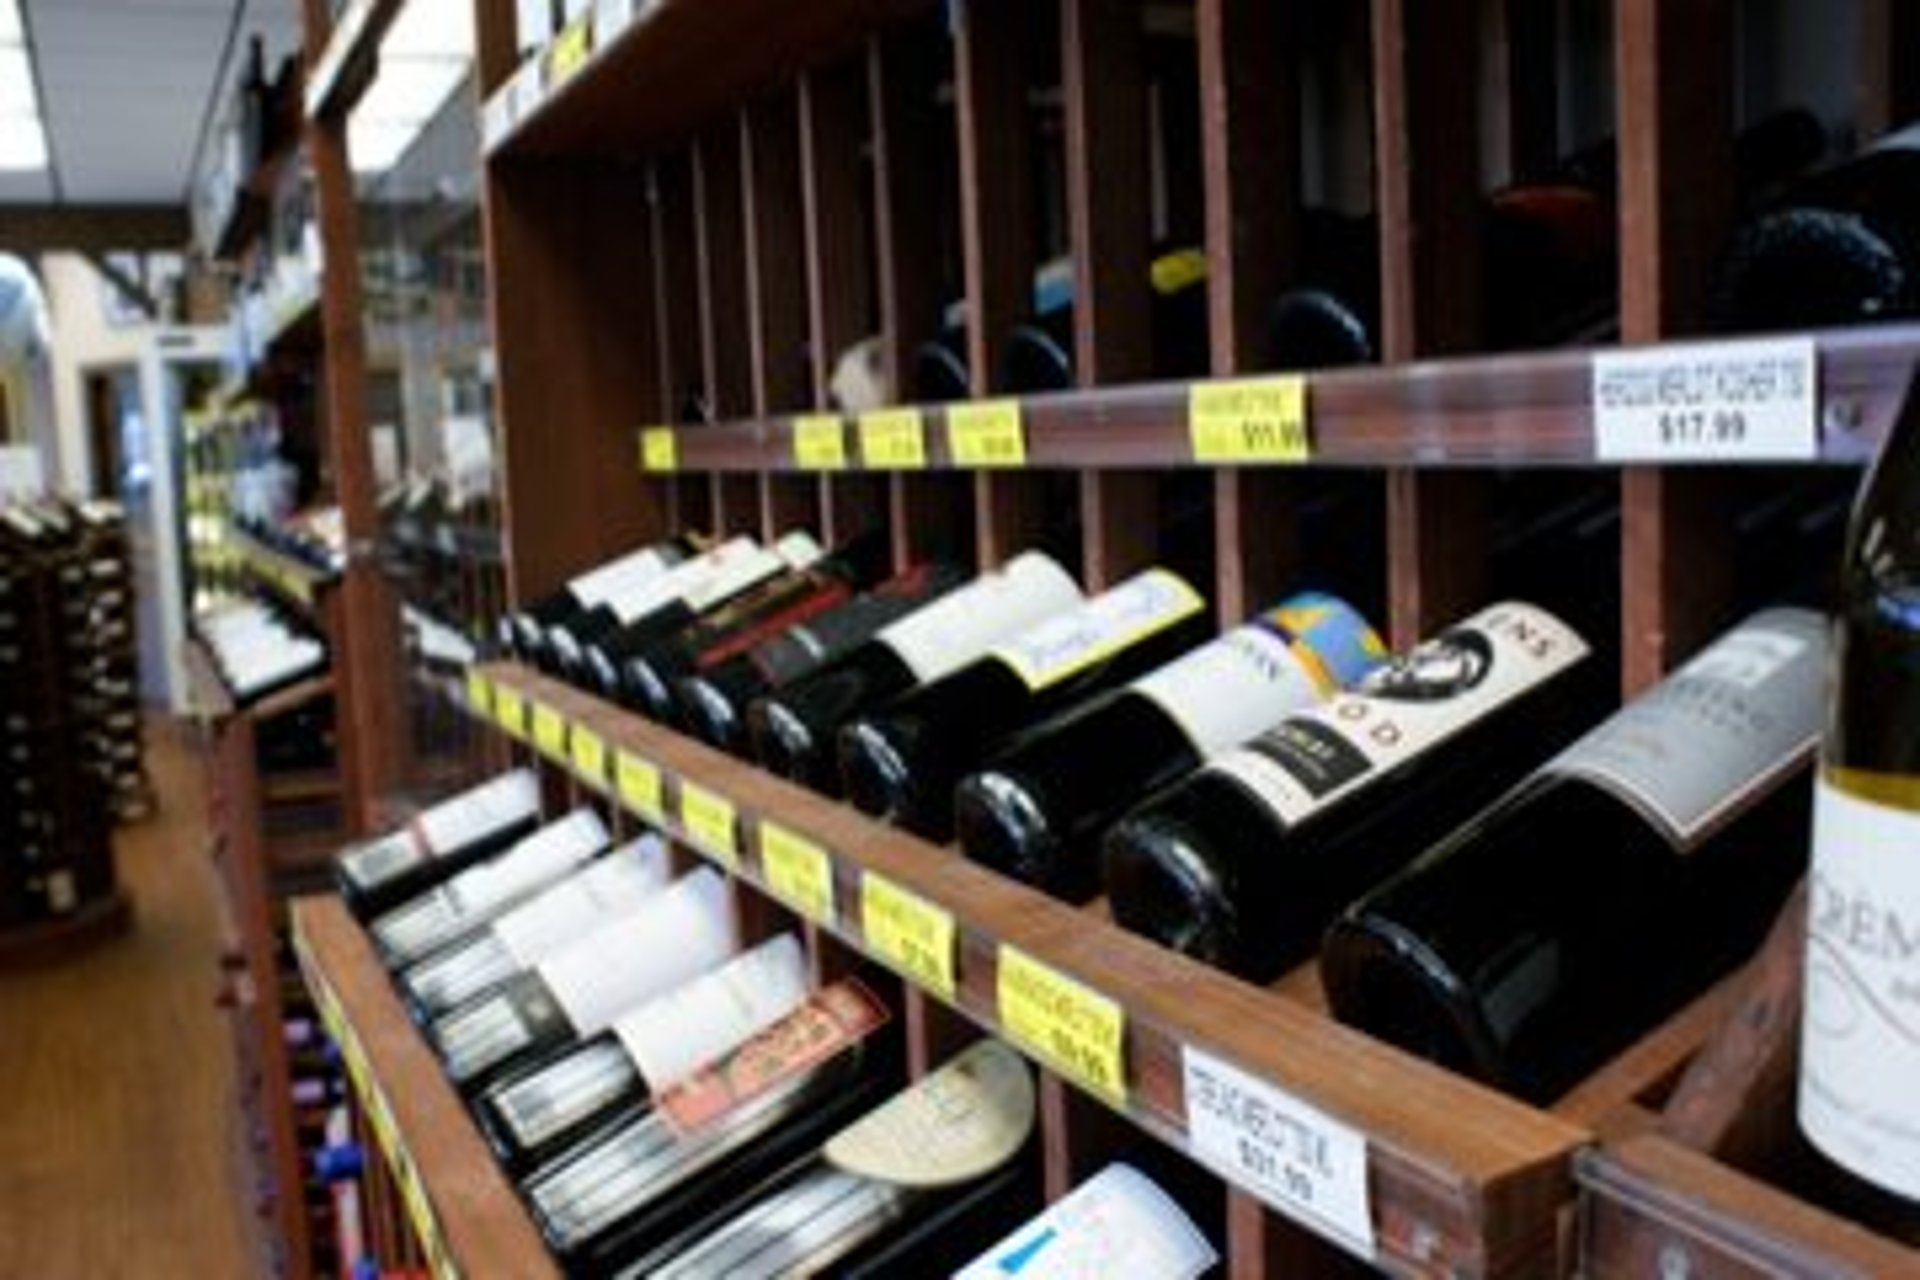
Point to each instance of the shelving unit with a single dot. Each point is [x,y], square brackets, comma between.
[684,223]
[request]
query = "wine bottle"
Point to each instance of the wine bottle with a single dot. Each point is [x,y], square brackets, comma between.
[1119,1222]
[793,729]
[1860,1034]
[909,1188]
[787,599]
[631,597]
[441,842]
[602,655]
[1036,812]
[578,991]
[1039,353]
[601,891]
[530,1115]
[621,1192]
[1675,830]
[1842,247]
[1244,863]
[711,703]
[524,632]
[466,902]
[901,762]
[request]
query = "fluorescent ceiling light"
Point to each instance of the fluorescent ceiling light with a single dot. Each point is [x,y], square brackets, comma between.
[411,91]
[428,28]
[23,138]
[376,147]
[23,143]
[10,29]
[424,57]
[16,81]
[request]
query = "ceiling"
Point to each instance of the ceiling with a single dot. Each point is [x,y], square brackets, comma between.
[125,87]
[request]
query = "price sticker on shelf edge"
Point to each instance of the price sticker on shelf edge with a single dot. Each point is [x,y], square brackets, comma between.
[569,51]
[894,439]
[1250,420]
[1073,1028]
[550,733]
[1751,401]
[1294,1156]
[819,442]
[479,692]
[659,450]
[589,751]
[909,933]
[638,784]
[987,433]
[510,710]
[798,871]
[710,822]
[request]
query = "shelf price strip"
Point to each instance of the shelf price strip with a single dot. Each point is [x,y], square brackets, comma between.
[510,711]
[589,752]
[550,733]
[988,433]
[798,871]
[894,439]
[659,450]
[1068,1025]
[1250,420]
[819,442]
[569,51]
[911,934]
[479,692]
[710,822]
[1292,1155]
[637,783]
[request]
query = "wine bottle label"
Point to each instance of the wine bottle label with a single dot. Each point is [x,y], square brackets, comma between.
[672,1034]
[615,885]
[1409,706]
[620,577]
[1117,1225]
[957,628]
[1287,659]
[690,577]
[960,1123]
[468,818]
[1860,1037]
[1703,744]
[826,1024]
[671,939]
[800,1230]
[546,1104]
[1069,643]
[802,649]
[460,974]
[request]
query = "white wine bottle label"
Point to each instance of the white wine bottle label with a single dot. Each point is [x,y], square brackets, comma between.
[671,939]
[615,885]
[1860,1035]
[799,549]
[960,626]
[619,577]
[673,1034]
[512,798]
[540,1107]
[1286,660]
[1701,745]
[689,577]
[1117,1225]
[960,1123]
[1411,705]
[1068,643]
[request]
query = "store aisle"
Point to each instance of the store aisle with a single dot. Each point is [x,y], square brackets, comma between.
[116,1109]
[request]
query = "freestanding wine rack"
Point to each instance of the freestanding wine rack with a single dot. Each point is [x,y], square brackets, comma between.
[694,207]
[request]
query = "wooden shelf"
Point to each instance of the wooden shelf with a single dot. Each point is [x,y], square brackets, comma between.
[696,57]
[54,941]
[465,1213]
[1531,410]
[1463,1181]
[295,580]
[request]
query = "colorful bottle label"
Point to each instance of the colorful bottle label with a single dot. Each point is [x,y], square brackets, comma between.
[1069,643]
[1118,1225]
[1860,1033]
[1703,744]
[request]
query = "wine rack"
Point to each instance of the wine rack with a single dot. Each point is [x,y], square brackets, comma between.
[694,207]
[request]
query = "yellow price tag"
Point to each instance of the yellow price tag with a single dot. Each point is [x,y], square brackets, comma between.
[709,821]
[419,1208]
[909,933]
[894,439]
[550,733]
[988,433]
[479,692]
[659,450]
[380,1120]
[798,871]
[1075,1029]
[569,51]
[510,710]
[819,442]
[589,752]
[638,784]
[1256,420]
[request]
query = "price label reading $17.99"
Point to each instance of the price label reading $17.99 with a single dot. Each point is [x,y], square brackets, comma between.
[1748,401]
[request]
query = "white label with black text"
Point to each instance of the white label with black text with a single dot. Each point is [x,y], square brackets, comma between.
[615,884]
[1294,1156]
[477,814]
[1708,402]
[1227,691]
[964,624]
[671,939]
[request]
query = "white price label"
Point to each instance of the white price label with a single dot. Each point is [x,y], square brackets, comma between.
[610,18]
[526,89]
[1708,402]
[1294,1156]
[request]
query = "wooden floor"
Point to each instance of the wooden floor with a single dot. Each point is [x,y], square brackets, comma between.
[115,1078]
